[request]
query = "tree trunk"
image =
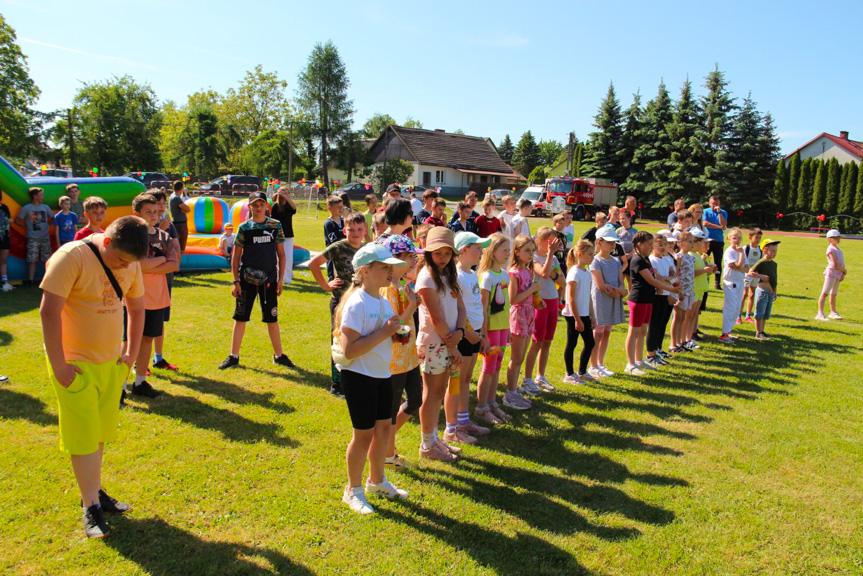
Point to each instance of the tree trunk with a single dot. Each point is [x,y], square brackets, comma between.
[325,174]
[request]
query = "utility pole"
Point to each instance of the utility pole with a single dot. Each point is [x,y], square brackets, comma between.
[290,153]
[70,135]
[571,154]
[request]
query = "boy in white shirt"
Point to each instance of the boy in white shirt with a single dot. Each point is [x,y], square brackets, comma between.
[519,222]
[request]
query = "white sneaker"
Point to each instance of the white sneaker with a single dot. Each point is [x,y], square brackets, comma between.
[386,489]
[595,373]
[692,345]
[544,384]
[605,371]
[646,366]
[528,388]
[516,401]
[633,370]
[573,379]
[834,316]
[587,377]
[356,499]
[821,317]
[7,287]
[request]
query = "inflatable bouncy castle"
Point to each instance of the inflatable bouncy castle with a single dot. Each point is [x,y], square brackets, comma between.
[207,217]
[117,192]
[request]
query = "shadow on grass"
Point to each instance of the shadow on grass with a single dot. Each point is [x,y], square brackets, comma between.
[228,391]
[21,301]
[227,422]
[298,375]
[506,555]
[18,406]
[164,550]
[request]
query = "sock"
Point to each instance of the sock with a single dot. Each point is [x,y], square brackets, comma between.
[157,358]
[451,428]
[139,379]
[463,418]
[390,458]
[482,405]
[436,433]
[429,440]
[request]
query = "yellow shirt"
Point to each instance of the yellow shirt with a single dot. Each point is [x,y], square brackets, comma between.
[93,315]
[405,356]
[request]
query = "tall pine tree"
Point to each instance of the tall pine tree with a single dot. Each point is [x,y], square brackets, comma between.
[526,156]
[767,154]
[819,189]
[681,132]
[743,161]
[506,149]
[717,107]
[858,196]
[650,161]
[804,187]
[602,160]
[632,133]
[834,183]
[793,182]
[780,186]
[849,186]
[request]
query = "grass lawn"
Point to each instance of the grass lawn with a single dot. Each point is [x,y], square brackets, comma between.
[743,459]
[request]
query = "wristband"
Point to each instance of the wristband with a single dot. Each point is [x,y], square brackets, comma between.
[236,281]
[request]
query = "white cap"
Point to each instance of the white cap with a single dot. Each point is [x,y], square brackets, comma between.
[834,233]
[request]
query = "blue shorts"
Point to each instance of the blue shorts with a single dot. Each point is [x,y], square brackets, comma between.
[763,304]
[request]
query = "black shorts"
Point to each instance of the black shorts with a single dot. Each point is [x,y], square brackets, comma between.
[369,399]
[154,321]
[246,301]
[168,309]
[411,384]
[5,242]
[465,348]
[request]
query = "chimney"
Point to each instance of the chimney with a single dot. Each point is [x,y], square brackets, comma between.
[439,130]
[843,134]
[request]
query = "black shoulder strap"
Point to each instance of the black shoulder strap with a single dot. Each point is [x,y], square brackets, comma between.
[107,270]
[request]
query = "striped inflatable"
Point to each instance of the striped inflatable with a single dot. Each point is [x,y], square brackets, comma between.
[208,215]
[240,213]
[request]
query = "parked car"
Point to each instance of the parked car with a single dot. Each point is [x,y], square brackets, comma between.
[150,179]
[499,193]
[55,172]
[356,190]
[538,197]
[231,184]
[417,189]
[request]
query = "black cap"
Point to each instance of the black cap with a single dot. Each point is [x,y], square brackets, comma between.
[392,187]
[257,196]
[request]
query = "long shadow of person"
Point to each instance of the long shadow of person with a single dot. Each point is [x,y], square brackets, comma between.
[164,550]
[24,407]
[506,555]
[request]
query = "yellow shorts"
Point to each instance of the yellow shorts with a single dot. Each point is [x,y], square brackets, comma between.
[90,407]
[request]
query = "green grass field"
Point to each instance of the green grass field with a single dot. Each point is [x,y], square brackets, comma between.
[743,459]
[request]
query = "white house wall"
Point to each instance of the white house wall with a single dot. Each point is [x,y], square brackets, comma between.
[829,150]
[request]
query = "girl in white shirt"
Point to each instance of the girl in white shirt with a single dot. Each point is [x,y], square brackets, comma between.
[365,325]
[733,276]
[442,326]
[459,427]
[577,312]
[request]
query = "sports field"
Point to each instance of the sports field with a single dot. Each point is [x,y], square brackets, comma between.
[738,459]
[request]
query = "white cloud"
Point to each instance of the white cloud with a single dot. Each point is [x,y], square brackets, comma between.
[92,54]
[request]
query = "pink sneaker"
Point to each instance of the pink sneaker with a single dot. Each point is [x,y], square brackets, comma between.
[437,452]
[460,436]
[454,450]
[485,414]
[496,410]
[749,319]
[739,320]
[475,429]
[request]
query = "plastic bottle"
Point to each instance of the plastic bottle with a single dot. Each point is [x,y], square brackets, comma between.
[455,381]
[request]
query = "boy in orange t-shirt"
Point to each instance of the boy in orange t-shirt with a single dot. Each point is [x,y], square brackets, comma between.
[162,260]
[82,327]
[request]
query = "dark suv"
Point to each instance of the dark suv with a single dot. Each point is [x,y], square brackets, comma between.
[150,179]
[232,184]
[356,190]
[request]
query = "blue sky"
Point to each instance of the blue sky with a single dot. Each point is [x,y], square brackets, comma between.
[488,68]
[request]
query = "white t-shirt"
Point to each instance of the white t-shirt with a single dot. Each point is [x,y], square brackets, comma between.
[507,223]
[664,268]
[416,206]
[547,289]
[520,226]
[583,280]
[753,255]
[364,313]
[471,295]
[730,257]
[427,335]
[569,232]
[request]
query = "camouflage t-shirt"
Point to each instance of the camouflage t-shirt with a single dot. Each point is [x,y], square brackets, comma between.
[340,253]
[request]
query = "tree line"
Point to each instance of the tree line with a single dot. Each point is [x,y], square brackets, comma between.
[814,190]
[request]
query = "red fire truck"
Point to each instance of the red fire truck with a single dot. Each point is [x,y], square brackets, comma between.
[581,193]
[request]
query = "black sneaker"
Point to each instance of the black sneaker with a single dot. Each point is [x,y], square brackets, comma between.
[94,522]
[144,389]
[229,362]
[336,390]
[123,398]
[111,505]
[663,354]
[283,360]
[697,337]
